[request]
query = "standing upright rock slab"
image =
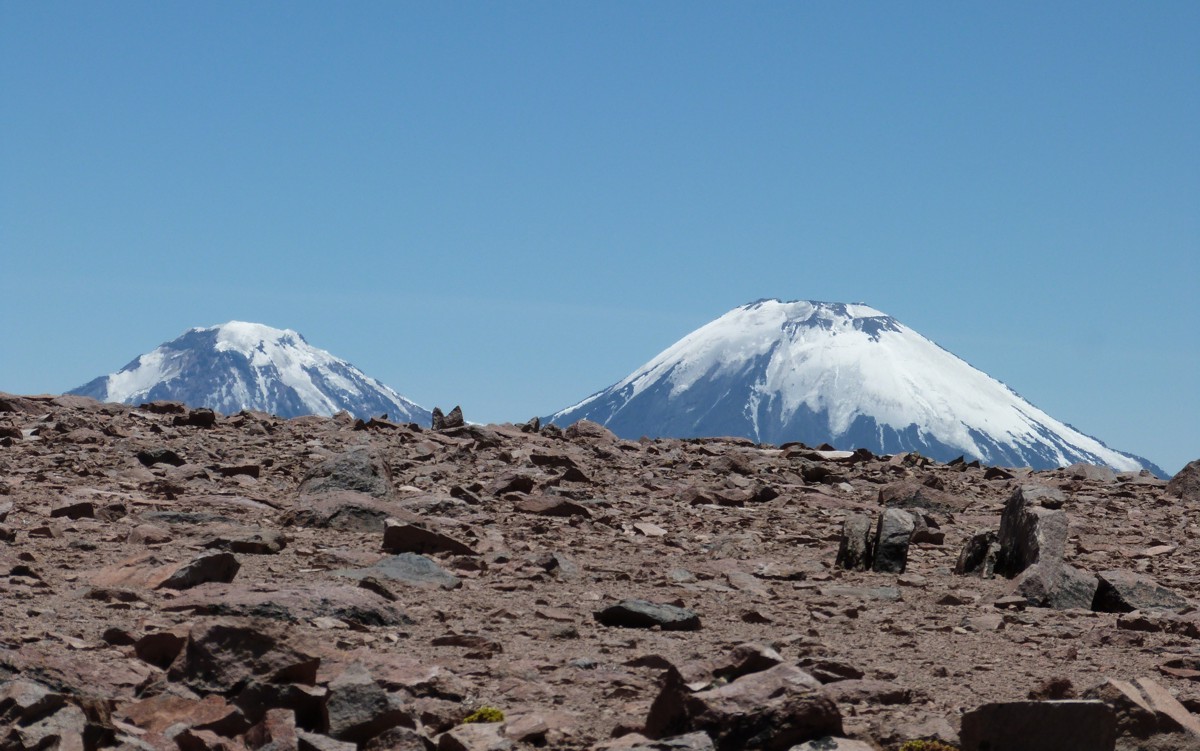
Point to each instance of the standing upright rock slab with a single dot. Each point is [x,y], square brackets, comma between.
[892,535]
[856,549]
[979,554]
[361,469]
[1040,726]
[441,421]
[1030,530]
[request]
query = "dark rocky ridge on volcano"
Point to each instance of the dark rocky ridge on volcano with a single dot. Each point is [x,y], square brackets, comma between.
[181,580]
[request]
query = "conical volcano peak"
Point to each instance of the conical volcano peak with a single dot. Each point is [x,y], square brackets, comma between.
[240,365]
[840,373]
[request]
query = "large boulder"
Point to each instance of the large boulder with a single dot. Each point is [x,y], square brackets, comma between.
[362,470]
[357,708]
[857,547]
[1040,726]
[893,532]
[588,431]
[1125,591]
[442,421]
[1033,528]
[352,605]
[1054,584]
[223,654]
[979,555]
[913,494]
[772,710]
[148,571]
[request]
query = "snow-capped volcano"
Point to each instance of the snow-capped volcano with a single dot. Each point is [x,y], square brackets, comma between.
[844,374]
[239,366]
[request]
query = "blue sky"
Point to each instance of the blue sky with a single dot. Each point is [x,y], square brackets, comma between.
[511,205]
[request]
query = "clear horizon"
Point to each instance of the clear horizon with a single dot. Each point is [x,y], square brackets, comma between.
[512,206]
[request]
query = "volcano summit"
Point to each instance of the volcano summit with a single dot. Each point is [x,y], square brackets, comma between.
[837,373]
[240,365]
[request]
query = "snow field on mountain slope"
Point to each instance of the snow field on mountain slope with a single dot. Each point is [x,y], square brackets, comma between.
[290,357]
[897,377]
[152,368]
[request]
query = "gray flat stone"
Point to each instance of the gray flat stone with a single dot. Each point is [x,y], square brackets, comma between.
[643,614]
[409,568]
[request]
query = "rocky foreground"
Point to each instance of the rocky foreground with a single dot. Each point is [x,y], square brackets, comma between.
[178,579]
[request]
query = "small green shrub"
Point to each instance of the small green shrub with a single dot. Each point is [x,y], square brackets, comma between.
[927,746]
[485,714]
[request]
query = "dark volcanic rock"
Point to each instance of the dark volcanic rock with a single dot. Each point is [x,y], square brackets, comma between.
[150,572]
[210,567]
[247,540]
[150,457]
[403,537]
[408,568]
[1031,532]
[892,534]
[358,709]
[448,422]
[1040,726]
[774,709]
[643,614]
[1054,584]
[979,554]
[1126,591]
[361,470]
[199,418]
[857,546]
[223,653]
[551,506]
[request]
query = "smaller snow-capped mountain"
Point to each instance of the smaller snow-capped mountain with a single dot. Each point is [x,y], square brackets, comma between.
[837,373]
[240,365]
